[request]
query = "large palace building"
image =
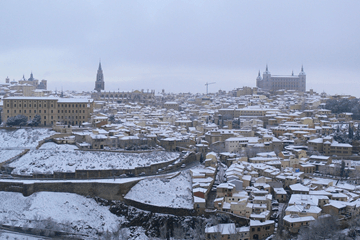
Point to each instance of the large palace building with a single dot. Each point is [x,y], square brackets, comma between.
[287,82]
[71,111]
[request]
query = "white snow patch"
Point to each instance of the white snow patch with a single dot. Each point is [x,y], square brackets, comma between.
[173,193]
[23,137]
[8,154]
[58,147]
[65,159]
[17,236]
[82,214]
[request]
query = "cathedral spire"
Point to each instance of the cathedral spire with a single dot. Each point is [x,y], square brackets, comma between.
[267,68]
[99,83]
[100,66]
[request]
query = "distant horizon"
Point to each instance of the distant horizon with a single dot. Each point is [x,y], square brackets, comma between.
[134,85]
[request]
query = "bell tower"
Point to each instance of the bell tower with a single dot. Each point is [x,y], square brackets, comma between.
[99,83]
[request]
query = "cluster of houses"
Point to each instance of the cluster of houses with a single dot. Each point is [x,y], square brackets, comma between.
[279,151]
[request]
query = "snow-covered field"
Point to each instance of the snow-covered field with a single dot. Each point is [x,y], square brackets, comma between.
[62,158]
[174,193]
[17,236]
[68,211]
[7,154]
[23,137]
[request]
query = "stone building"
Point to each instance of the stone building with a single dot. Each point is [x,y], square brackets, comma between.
[34,82]
[69,111]
[287,82]
[119,96]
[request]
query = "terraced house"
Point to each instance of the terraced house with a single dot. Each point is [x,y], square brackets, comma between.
[70,111]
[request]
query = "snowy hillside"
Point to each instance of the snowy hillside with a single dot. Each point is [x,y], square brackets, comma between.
[69,211]
[23,137]
[62,158]
[7,154]
[175,193]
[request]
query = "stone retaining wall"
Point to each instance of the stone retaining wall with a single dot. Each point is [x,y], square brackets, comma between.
[109,191]
[159,209]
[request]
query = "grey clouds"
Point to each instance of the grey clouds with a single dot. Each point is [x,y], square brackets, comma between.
[180,45]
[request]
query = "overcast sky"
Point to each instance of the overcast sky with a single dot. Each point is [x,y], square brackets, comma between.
[180,45]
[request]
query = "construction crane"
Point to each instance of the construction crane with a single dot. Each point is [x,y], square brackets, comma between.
[207,87]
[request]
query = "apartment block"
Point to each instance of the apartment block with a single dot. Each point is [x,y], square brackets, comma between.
[70,111]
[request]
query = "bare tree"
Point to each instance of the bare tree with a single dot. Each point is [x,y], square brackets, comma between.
[179,233]
[325,227]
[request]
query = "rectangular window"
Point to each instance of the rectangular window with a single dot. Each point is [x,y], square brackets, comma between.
[44,111]
[34,111]
[39,111]
[39,105]
[29,111]
[24,111]
[44,117]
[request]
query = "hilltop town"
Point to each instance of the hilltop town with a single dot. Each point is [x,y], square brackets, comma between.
[268,162]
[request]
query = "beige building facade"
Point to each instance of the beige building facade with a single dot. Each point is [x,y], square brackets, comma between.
[70,111]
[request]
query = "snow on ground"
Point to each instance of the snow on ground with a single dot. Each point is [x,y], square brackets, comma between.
[134,233]
[7,154]
[174,193]
[65,159]
[57,147]
[23,137]
[17,236]
[81,213]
